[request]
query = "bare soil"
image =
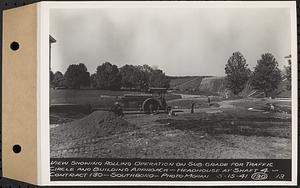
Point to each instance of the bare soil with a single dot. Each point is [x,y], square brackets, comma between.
[228,131]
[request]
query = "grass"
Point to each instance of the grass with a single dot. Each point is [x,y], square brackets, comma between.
[99,98]
[84,97]
[176,81]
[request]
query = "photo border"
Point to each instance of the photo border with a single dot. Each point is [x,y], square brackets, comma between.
[43,86]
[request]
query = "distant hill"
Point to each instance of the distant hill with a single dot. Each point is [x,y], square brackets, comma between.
[186,83]
[211,85]
[177,81]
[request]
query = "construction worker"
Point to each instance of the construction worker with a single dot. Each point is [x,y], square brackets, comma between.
[117,109]
[163,102]
[208,100]
[272,107]
[192,108]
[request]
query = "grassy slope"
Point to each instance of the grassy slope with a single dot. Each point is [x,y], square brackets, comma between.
[177,81]
[213,84]
[216,85]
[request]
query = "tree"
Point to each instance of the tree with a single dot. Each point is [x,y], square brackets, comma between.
[155,77]
[146,68]
[77,76]
[237,73]
[84,75]
[108,77]
[51,76]
[133,77]
[288,74]
[93,81]
[159,79]
[266,76]
[58,80]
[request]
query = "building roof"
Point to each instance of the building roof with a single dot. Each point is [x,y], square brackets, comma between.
[51,39]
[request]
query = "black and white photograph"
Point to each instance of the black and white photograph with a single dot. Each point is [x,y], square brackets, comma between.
[172,92]
[170,83]
[150,93]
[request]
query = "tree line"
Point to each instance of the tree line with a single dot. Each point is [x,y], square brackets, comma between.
[265,77]
[110,77]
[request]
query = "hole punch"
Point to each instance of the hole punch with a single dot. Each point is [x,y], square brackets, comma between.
[14,46]
[17,148]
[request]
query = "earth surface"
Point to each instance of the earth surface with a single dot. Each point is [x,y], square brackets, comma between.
[242,128]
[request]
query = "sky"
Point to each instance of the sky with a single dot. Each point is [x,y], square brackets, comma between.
[180,41]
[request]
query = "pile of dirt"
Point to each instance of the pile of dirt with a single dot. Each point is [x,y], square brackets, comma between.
[60,118]
[98,124]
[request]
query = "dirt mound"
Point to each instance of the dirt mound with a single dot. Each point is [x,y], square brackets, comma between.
[98,124]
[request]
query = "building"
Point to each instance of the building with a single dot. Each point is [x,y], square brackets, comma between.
[51,40]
